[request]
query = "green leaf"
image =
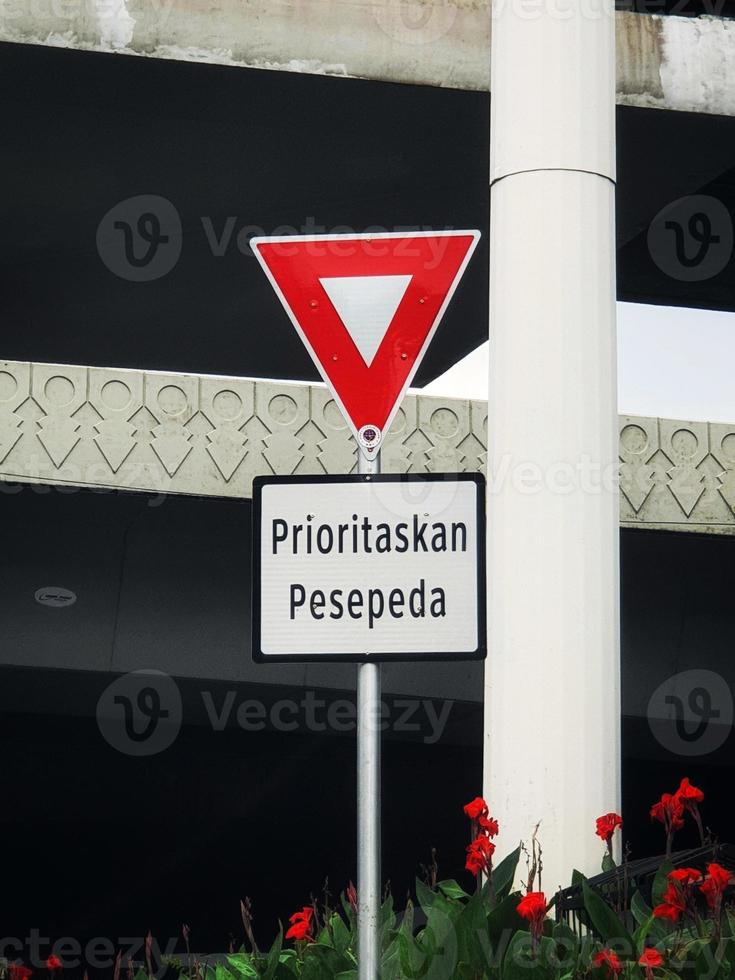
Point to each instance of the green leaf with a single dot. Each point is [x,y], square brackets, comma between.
[607,862]
[503,921]
[519,959]
[411,959]
[342,937]
[323,962]
[406,926]
[273,957]
[451,889]
[661,882]
[473,941]
[640,909]
[504,874]
[578,878]
[424,895]
[567,946]
[387,917]
[608,925]
[240,966]
[563,932]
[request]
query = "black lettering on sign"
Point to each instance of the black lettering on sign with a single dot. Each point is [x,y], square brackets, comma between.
[375,604]
[298,598]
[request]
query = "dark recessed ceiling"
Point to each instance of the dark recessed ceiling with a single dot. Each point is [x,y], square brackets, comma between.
[235,152]
[238,152]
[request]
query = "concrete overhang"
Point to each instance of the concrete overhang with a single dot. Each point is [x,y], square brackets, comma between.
[666,62]
[77,426]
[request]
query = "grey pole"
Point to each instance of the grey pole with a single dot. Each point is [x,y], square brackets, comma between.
[368,800]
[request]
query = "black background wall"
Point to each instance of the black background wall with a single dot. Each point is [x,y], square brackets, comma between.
[97,843]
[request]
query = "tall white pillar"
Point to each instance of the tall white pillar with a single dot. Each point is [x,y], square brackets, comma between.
[552,749]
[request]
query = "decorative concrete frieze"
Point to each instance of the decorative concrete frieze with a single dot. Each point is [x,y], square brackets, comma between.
[209,436]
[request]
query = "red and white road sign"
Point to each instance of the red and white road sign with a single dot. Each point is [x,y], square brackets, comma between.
[366,307]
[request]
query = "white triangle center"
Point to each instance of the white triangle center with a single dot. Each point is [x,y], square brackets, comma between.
[366,305]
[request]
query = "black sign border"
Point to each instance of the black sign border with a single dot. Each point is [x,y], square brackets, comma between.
[267,658]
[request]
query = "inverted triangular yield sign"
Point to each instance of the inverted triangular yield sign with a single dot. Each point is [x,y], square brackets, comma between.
[366,307]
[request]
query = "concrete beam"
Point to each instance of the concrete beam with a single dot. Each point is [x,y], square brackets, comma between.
[107,428]
[662,62]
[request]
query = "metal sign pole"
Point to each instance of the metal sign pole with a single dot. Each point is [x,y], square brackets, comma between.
[368,799]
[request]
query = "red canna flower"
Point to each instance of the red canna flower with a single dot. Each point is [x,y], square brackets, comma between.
[650,959]
[476,808]
[667,911]
[479,855]
[489,825]
[299,931]
[352,898]
[685,876]
[678,898]
[16,971]
[609,959]
[532,907]
[713,888]
[669,811]
[53,963]
[607,825]
[301,924]
[673,904]
[689,794]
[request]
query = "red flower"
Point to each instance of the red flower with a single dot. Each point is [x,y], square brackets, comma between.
[476,809]
[533,908]
[666,911]
[669,811]
[609,959]
[301,924]
[607,825]
[53,963]
[489,825]
[689,794]
[352,897]
[714,886]
[685,876]
[650,959]
[479,855]
[16,971]
[673,903]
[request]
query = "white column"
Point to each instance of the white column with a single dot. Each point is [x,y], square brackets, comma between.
[552,749]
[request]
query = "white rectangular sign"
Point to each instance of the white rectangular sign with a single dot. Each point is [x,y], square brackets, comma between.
[369,568]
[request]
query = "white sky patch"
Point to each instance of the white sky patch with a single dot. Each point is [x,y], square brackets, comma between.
[672,363]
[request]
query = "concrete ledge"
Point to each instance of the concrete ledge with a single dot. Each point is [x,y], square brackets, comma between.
[197,434]
[680,63]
